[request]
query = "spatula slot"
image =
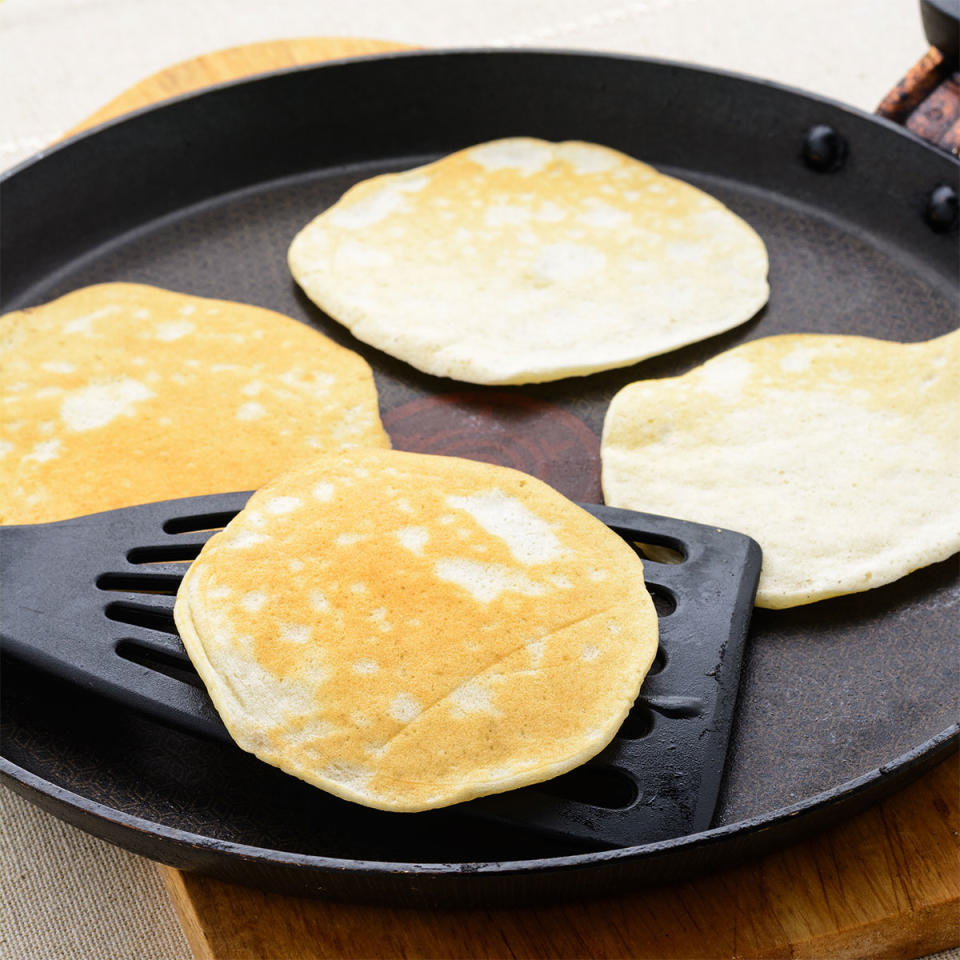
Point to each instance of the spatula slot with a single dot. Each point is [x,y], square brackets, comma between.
[165,554]
[668,551]
[664,600]
[638,724]
[198,522]
[169,666]
[607,787]
[659,661]
[140,582]
[141,615]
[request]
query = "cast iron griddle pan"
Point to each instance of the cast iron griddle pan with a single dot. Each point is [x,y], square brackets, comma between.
[839,701]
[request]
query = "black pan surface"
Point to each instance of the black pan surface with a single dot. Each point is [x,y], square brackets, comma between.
[839,701]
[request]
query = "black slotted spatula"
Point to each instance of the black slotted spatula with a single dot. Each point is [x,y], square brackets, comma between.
[91,600]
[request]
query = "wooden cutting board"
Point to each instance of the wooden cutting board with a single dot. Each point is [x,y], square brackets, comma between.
[885,884]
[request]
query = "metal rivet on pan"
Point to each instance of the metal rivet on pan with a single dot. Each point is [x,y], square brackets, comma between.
[941,212]
[824,149]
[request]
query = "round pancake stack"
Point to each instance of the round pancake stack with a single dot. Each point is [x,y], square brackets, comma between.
[409,631]
[120,394]
[520,261]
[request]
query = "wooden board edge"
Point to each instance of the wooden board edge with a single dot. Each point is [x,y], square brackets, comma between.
[930,929]
[234,63]
[187,914]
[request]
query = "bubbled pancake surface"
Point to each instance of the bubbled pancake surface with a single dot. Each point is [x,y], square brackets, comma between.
[121,394]
[409,631]
[838,454]
[521,260]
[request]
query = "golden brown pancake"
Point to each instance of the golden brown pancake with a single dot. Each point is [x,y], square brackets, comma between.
[519,261]
[838,454]
[409,631]
[120,394]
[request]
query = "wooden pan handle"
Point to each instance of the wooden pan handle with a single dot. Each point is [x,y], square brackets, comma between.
[927,100]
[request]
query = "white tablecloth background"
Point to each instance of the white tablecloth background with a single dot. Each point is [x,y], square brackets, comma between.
[64,894]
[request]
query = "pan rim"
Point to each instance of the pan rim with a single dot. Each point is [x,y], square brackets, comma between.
[941,743]
[460,52]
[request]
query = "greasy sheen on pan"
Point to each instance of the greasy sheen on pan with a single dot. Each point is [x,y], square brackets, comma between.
[521,260]
[409,631]
[838,454]
[121,394]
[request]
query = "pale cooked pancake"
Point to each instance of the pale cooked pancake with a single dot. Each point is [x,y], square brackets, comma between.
[520,260]
[120,394]
[838,454]
[409,631]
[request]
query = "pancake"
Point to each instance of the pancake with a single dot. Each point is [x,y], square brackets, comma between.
[838,454]
[408,631]
[120,394]
[520,261]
